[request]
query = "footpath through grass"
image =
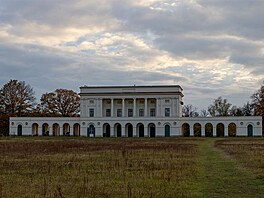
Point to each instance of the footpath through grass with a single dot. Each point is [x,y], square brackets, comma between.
[123,167]
[221,176]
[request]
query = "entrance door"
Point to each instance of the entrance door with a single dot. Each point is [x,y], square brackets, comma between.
[19,130]
[130,130]
[167,130]
[91,131]
[152,131]
[250,130]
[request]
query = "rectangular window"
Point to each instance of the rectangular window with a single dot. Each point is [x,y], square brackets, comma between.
[119,112]
[152,112]
[167,112]
[91,102]
[91,112]
[141,113]
[108,113]
[167,101]
[130,112]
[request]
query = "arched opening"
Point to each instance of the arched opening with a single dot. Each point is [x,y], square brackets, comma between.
[208,130]
[19,130]
[152,130]
[186,130]
[56,129]
[129,130]
[118,130]
[91,131]
[167,130]
[45,129]
[35,129]
[66,129]
[220,130]
[232,130]
[140,130]
[197,130]
[76,129]
[106,130]
[250,130]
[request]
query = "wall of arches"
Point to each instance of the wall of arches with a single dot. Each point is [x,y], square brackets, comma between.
[130,128]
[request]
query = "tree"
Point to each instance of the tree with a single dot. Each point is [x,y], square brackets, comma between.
[16,99]
[220,107]
[247,109]
[189,111]
[204,113]
[236,111]
[62,102]
[258,104]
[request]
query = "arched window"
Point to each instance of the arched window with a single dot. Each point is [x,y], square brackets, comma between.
[197,130]
[232,130]
[220,130]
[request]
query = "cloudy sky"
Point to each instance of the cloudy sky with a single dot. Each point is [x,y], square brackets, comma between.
[210,47]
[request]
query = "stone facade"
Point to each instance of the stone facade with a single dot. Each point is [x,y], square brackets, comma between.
[135,111]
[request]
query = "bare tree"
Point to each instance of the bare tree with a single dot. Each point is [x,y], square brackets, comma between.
[62,102]
[17,98]
[204,113]
[220,107]
[189,111]
[247,109]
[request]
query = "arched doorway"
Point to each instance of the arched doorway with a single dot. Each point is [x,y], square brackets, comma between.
[91,131]
[220,130]
[208,130]
[140,130]
[19,130]
[66,129]
[45,129]
[107,130]
[129,130]
[197,129]
[118,130]
[167,130]
[250,130]
[232,130]
[56,129]
[35,129]
[76,129]
[152,130]
[186,130]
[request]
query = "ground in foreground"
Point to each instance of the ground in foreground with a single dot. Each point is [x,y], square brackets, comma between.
[161,167]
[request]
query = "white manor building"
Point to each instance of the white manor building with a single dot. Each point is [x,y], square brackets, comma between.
[134,111]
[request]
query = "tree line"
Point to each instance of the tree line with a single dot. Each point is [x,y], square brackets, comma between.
[17,99]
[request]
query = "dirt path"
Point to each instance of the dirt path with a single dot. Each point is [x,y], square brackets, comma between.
[222,177]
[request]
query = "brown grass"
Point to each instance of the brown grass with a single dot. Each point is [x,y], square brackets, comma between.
[37,167]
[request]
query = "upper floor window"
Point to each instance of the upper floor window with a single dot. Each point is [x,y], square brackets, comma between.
[152,112]
[108,112]
[91,101]
[91,112]
[167,101]
[130,102]
[119,112]
[167,112]
[130,112]
[152,101]
[141,113]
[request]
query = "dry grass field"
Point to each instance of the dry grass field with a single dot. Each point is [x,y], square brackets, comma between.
[123,167]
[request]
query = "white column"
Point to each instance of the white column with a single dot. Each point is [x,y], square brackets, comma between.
[173,113]
[191,130]
[135,107]
[112,107]
[123,131]
[100,114]
[157,107]
[203,130]
[226,130]
[71,130]
[146,107]
[123,107]
[214,131]
[61,130]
